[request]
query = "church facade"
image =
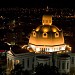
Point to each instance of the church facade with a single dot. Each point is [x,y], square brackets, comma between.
[45,43]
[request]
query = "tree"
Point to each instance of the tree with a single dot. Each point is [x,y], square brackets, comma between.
[46,70]
[26,72]
[17,70]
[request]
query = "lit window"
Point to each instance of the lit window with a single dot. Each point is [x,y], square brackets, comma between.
[56,34]
[34,34]
[45,35]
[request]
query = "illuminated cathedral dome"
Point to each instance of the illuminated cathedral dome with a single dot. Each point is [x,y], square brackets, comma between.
[46,35]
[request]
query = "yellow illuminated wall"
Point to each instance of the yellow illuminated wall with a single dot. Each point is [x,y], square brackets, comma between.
[50,39]
[46,20]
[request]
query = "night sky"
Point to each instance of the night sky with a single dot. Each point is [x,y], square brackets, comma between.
[37,3]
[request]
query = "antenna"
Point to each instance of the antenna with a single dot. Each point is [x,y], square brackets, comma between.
[47,9]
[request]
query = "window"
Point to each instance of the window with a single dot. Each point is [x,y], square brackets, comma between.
[23,62]
[34,34]
[28,62]
[56,34]
[67,65]
[59,64]
[63,64]
[72,60]
[46,49]
[33,59]
[45,35]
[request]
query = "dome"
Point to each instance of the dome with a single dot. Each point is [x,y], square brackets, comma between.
[46,35]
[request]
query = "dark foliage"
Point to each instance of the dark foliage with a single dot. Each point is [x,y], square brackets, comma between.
[26,72]
[17,70]
[46,70]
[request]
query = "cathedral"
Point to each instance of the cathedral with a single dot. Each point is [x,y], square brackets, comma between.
[46,43]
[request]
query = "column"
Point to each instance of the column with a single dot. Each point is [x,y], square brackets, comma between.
[7,63]
[12,64]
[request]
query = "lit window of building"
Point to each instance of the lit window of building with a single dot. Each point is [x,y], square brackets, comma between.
[56,34]
[34,34]
[44,35]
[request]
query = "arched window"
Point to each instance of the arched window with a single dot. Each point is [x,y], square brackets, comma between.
[57,34]
[45,35]
[34,34]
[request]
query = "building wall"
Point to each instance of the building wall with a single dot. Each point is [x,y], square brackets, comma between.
[10,61]
[25,59]
[29,61]
[64,64]
[72,59]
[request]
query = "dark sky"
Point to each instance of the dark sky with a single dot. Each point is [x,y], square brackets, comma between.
[37,3]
